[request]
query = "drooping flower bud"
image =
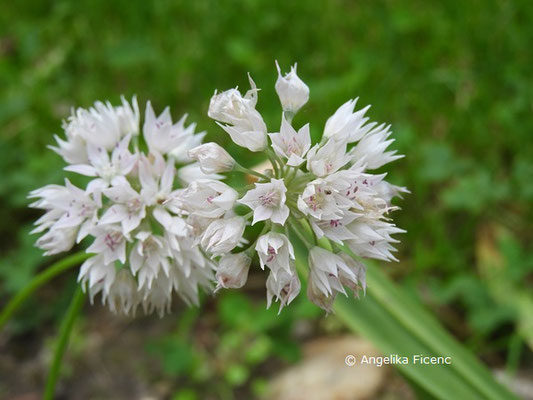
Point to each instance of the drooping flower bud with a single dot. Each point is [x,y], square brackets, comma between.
[293,93]
[284,287]
[275,251]
[232,271]
[213,158]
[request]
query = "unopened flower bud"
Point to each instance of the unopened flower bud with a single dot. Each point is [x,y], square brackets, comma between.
[213,158]
[292,91]
[223,235]
[232,271]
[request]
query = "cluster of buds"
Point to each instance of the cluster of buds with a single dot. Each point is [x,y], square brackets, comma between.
[326,188]
[162,220]
[142,248]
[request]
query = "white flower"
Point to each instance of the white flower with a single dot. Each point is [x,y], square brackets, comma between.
[158,297]
[325,199]
[327,159]
[292,91]
[371,148]
[358,269]
[157,179]
[387,192]
[123,296]
[208,198]
[324,267]
[284,286]
[186,281]
[70,215]
[149,255]
[291,144]
[346,125]
[372,238]
[129,208]
[97,276]
[104,125]
[316,296]
[109,242]
[165,137]
[232,270]
[56,240]
[144,247]
[74,149]
[334,229]
[223,235]
[329,272]
[105,168]
[268,201]
[245,125]
[275,251]
[192,172]
[213,159]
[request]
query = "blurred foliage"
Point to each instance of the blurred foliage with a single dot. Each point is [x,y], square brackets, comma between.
[454,79]
[216,360]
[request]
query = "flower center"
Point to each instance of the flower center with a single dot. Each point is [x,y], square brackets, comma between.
[133,206]
[269,199]
[271,253]
[112,240]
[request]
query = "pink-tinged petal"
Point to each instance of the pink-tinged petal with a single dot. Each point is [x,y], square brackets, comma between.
[261,213]
[131,222]
[121,150]
[168,178]
[295,161]
[115,213]
[136,260]
[280,215]
[96,186]
[98,156]
[163,217]
[82,169]
[145,176]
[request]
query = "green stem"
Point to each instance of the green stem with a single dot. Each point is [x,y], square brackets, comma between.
[38,281]
[274,156]
[302,178]
[250,251]
[245,170]
[64,334]
[274,164]
[296,228]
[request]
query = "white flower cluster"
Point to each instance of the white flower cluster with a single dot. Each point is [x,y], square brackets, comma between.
[161,221]
[326,187]
[143,248]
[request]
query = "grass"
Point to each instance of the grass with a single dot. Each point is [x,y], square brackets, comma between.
[453,78]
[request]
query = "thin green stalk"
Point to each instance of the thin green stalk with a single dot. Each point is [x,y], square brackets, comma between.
[39,280]
[64,334]
[245,170]
[303,239]
[274,165]
[276,157]
[306,177]
[250,251]
[379,321]
[420,323]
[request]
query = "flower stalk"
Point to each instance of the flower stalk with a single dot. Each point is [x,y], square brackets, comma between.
[39,280]
[62,342]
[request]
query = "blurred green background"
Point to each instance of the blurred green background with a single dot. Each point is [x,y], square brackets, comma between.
[453,78]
